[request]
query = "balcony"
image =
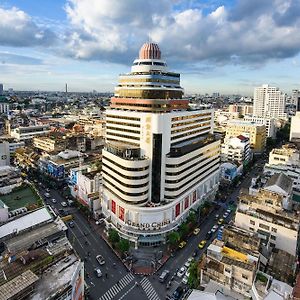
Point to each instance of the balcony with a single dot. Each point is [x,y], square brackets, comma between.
[125,151]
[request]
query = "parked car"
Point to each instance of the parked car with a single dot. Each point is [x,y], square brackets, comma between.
[181,272]
[185,279]
[70,202]
[188,262]
[163,276]
[221,221]
[214,229]
[47,195]
[100,259]
[182,244]
[209,234]
[71,224]
[178,293]
[64,204]
[196,231]
[98,272]
[53,200]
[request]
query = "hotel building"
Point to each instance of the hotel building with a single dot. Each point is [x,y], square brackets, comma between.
[161,158]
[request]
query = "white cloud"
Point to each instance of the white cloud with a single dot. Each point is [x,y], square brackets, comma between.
[19,30]
[252,32]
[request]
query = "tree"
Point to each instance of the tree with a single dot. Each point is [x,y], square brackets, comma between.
[173,238]
[113,236]
[192,218]
[123,245]
[183,230]
[270,144]
[193,280]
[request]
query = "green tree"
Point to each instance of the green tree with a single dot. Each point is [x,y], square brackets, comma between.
[123,245]
[270,144]
[113,236]
[193,280]
[192,218]
[183,230]
[173,238]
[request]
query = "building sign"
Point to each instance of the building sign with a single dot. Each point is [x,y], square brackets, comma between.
[113,206]
[194,197]
[121,213]
[186,202]
[148,130]
[152,226]
[78,283]
[177,210]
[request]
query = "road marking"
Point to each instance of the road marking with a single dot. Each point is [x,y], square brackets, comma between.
[117,287]
[127,292]
[149,290]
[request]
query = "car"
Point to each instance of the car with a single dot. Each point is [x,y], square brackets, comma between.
[225,215]
[71,224]
[100,259]
[178,293]
[181,272]
[188,262]
[98,272]
[202,244]
[64,204]
[221,221]
[70,202]
[221,228]
[231,202]
[196,231]
[217,217]
[228,211]
[182,244]
[185,279]
[214,229]
[195,253]
[100,221]
[62,212]
[47,190]
[208,234]
[53,200]
[168,285]
[47,195]
[162,278]
[67,259]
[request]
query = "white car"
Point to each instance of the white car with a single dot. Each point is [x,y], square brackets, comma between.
[64,204]
[98,272]
[53,200]
[214,229]
[225,215]
[185,279]
[188,262]
[100,259]
[181,272]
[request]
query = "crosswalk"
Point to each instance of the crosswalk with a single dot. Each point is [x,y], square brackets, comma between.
[115,289]
[149,290]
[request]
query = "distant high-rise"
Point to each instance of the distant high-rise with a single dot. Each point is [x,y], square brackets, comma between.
[269,102]
[296,99]
[1,89]
[66,88]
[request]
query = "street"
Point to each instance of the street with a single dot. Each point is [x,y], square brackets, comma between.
[117,282]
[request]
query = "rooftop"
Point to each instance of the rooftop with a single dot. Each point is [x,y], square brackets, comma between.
[16,285]
[281,180]
[56,277]
[23,196]
[29,220]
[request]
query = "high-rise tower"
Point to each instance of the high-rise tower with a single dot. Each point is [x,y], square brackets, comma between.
[161,158]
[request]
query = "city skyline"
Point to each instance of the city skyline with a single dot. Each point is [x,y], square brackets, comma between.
[217,46]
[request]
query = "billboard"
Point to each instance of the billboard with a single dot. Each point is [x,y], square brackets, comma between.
[78,283]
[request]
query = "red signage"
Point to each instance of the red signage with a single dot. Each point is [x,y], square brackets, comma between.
[186,202]
[177,210]
[121,213]
[113,206]
[194,196]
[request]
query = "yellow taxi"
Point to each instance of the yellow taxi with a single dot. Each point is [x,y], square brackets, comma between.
[196,231]
[202,244]
[221,221]
[182,244]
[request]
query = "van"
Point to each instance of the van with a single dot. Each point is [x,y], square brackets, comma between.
[163,276]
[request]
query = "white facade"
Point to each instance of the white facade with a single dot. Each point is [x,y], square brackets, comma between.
[4,154]
[269,102]
[27,133]
[268,122]
[160,159]
[236,149]
[4,107]
[295,127]
[283,236]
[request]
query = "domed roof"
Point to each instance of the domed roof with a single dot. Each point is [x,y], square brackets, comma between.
[150,51]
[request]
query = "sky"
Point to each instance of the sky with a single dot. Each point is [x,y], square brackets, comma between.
[226,46]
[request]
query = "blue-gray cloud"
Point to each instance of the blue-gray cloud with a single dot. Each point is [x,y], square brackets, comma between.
[17,29]
[10,58]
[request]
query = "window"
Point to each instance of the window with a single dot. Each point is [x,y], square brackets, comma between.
[274,229]
[273,237]
[272,245]
[251,228]
[244,276]
[252,222]
[264,226]
[227,270]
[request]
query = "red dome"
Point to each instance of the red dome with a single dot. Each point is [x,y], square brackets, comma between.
[150,51]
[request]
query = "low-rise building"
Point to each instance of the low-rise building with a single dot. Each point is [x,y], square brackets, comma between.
[10,178]
[232,268]
[236,149]
[286,160]
[85,185]
[242,109]
[268,213]
[38,261]
[50,144]
[270,124]
[26,158]
[29,132]
[256,133]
